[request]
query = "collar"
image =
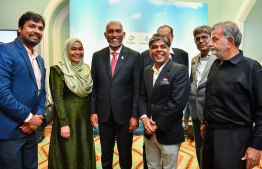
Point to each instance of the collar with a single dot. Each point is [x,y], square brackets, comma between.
[234,60]
[155,70]
[171,51]
[118,50]
[33,54]
[208,55]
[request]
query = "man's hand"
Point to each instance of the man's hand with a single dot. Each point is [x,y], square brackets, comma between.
[252,156]
[65,132]
[26,129]
[147,123]
[186,120]
[154,126]
[133,124]
[202,130]
[94,120]
[34,122]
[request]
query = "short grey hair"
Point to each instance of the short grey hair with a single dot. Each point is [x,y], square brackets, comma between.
[202,29]
[230,29]
[157,37]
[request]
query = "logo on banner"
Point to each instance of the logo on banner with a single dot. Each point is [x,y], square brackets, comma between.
[131,38]
[146,41]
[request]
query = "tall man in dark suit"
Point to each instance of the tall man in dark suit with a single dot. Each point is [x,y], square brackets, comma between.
[164,94]
[175,54]
[233,103]
[22,95]
[201,64]
[114,100]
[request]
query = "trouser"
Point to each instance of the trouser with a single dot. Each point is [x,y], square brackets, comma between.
[108,131]
[156,151]
[198,138]
[224,148]
[19,153]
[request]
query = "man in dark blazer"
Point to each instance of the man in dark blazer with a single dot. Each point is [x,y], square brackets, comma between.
[164,94]
[176,55]
[200,67]
[22,95]
[114,100]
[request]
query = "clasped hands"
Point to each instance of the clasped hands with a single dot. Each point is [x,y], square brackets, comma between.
[32,124]
[149,125]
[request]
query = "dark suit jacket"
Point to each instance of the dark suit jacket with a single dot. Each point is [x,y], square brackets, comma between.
[166,103]
[18,89]
[179,56]
[119,93]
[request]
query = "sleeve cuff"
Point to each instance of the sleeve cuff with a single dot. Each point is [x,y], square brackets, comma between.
[28,118]
[144,115]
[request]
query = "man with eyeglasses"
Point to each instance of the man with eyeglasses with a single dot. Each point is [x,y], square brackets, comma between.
[200,67]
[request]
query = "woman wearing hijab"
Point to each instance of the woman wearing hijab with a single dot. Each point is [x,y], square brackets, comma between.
[72,142]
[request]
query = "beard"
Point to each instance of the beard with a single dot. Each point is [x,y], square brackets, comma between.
[115,45]
[32,42]
[219,52]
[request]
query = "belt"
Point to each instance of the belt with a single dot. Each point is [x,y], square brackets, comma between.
[225,127]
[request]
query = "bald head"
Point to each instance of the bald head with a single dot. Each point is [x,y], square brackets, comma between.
[114,34]
[114,22]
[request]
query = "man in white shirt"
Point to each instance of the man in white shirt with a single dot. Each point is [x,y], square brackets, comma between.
[164,94]
[200,67]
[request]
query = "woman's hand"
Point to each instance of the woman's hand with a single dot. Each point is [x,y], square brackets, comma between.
[65,132]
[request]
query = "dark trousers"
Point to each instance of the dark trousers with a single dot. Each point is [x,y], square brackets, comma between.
[224,148]
[108,131]
[144,156]
[19,153]
[198,138]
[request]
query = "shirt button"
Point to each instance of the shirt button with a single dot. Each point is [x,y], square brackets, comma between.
[36,92]
[152,105]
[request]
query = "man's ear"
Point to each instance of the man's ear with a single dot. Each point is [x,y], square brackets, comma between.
[19,30]
[231,41]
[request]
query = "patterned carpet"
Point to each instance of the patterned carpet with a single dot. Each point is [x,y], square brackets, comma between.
[186,158]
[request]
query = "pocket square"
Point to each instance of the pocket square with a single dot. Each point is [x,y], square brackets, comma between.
[164,82]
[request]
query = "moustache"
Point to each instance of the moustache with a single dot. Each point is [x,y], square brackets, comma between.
[34,34]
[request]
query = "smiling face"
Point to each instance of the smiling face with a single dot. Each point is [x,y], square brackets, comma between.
[114,35]
[159,51]
[31,33]
[76,53]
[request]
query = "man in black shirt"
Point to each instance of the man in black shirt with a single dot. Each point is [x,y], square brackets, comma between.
[233,104]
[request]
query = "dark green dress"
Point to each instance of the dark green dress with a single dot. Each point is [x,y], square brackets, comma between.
[78,151]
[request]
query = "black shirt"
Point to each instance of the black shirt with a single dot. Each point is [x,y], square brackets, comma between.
[234,94]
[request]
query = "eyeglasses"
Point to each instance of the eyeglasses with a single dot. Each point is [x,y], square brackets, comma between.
[204,38]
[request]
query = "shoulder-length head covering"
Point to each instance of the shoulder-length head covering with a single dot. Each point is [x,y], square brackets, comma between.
[77,76]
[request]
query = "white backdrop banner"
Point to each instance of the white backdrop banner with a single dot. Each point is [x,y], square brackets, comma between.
[140,20]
